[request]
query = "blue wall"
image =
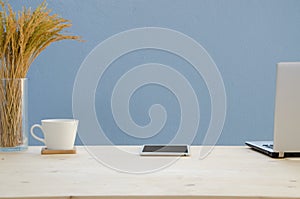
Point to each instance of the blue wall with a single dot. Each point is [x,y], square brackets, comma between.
[245,39]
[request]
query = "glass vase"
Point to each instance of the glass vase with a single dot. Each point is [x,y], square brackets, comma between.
[13,115]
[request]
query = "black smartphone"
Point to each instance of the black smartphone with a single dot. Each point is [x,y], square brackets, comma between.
[176,150]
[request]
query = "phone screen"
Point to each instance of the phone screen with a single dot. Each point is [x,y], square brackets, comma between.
[165,149]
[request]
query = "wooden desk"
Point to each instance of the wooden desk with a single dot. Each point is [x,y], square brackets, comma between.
[228,172]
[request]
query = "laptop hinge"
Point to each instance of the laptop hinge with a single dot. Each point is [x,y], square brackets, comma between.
[281,154]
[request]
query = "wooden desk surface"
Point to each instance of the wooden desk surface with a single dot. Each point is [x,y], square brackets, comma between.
[228,172]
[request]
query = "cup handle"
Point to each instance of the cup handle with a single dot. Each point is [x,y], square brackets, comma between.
[36,137]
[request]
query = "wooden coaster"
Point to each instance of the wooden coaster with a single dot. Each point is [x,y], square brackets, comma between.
[46,151]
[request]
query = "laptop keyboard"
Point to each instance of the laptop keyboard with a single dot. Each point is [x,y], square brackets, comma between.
[268,146]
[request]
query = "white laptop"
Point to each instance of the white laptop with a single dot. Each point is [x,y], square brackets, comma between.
[287,114]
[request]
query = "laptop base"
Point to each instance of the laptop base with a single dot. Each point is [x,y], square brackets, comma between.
[265,147]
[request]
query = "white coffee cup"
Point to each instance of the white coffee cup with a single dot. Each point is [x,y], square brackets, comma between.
[59,134]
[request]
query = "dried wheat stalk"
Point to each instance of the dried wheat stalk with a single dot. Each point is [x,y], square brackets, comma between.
[23,36]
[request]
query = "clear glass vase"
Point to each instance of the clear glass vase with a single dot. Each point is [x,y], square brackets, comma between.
[13,115]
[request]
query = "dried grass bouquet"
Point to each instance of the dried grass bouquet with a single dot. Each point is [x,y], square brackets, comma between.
[23,36]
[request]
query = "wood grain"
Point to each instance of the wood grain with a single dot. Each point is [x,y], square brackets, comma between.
[227,172]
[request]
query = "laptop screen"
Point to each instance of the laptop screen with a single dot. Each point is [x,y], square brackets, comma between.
[287,107]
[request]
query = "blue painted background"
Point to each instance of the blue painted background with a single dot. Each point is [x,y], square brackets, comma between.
[245,39]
